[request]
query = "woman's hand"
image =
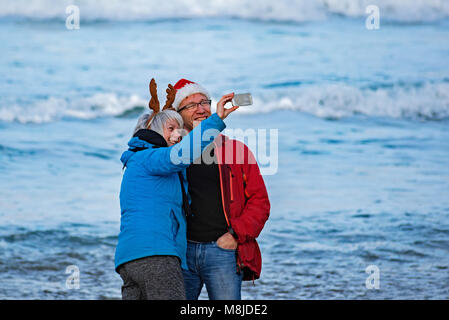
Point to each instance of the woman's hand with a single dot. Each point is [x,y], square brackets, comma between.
[221,110]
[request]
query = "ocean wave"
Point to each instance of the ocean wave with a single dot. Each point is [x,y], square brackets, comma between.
[53,109]
[282,10]
[424,102]
[56,237]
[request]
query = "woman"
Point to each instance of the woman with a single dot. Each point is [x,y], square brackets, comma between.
[152,242]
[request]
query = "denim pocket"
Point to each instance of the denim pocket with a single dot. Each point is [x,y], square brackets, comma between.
[226,250]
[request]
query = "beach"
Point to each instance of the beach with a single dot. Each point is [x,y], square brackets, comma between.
[361,164]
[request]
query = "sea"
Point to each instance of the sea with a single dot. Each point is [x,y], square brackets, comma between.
[357,100]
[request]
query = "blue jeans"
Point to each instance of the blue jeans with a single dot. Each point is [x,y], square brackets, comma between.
[216,268]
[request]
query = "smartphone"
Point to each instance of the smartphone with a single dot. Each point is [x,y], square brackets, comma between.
[242,99]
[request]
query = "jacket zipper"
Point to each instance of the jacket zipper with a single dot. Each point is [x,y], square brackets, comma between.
[230,179]
[221,185]
[239,264]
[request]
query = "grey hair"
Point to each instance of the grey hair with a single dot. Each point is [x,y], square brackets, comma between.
[158,122]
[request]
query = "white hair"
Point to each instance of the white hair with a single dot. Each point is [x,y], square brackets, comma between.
[158,122]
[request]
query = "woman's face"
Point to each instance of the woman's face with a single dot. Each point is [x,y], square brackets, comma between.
[172,132]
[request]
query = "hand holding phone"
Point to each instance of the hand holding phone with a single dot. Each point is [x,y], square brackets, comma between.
[221,110]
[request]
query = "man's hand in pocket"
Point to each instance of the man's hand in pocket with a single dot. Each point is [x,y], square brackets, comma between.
[227,241]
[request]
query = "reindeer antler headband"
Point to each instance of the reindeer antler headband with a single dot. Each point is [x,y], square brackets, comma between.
[154,101]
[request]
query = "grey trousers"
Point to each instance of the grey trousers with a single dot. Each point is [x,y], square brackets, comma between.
[153,278]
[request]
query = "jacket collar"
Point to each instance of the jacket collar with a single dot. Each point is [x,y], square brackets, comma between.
[152,137]
[142,139]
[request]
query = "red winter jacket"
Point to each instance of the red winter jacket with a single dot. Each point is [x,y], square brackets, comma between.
[245,201]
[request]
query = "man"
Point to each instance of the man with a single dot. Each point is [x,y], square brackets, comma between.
[229,205]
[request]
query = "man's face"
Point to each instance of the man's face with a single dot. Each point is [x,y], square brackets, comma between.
[193,116]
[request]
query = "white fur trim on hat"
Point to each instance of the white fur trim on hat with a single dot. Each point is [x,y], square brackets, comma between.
[187,90]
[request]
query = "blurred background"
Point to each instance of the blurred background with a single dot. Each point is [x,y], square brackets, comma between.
[362,116]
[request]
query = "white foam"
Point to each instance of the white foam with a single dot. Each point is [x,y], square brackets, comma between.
[281,10]
[426,102]
[53,109]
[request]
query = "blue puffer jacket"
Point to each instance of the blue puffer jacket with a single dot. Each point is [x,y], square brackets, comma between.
[152,219]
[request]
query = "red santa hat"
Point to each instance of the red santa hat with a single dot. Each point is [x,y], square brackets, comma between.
[185,88]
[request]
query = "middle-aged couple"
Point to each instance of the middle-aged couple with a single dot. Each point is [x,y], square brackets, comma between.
[189,223]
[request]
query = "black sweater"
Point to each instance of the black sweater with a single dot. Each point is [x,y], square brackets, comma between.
[207,222]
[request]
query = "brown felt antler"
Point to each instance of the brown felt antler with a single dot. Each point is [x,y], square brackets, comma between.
[171,94]
[154,101]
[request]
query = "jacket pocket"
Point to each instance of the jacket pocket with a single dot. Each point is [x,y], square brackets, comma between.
[175,224]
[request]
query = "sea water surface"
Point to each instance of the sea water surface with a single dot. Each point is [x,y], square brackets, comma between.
[362,152]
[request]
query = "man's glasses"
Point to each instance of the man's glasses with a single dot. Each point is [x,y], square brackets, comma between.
[194,105]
